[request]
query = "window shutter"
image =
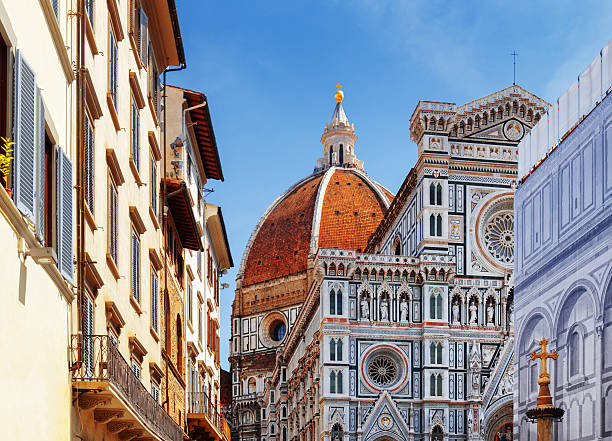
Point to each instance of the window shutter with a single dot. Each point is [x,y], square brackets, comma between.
[87,339]
[89,166]
[65,226]
[24,136]
[144,37]
[40,168]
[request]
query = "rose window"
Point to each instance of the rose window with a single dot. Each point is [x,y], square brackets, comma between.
[382,370]
[499,237]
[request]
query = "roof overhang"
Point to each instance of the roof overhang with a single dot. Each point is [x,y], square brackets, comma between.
[179,203]
[218,236]
[204,133]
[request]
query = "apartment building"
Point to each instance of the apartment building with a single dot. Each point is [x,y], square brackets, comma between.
[191,159]
[37,91]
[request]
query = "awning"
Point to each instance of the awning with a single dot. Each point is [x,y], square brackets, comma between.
[179,203]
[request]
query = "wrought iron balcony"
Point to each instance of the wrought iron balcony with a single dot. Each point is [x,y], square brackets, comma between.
[202,408]
[99,366]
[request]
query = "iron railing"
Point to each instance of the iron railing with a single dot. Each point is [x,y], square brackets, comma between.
[102,361]
[199,402]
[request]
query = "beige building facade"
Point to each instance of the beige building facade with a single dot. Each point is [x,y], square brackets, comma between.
[89,265]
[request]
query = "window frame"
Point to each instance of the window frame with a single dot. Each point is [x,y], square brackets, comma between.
[135,270]
[113,253]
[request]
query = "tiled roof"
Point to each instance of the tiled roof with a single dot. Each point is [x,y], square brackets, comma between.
[351,209]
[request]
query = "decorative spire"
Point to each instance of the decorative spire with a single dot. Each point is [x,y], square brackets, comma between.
[339,94]
[339,117]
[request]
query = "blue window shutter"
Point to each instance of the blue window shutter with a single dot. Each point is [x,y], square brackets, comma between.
[40,168]
[64,216]
[24,136]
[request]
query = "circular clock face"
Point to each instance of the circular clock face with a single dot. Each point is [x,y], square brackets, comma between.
[513,130]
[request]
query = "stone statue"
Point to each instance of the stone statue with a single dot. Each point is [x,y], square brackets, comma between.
[473,313]
[365,308]
[403,310]
[490,314]
[455,318]
[384,310]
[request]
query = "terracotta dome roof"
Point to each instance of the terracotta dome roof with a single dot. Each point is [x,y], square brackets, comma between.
[336,208]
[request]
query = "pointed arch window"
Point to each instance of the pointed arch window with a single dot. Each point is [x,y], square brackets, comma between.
[332,302]
[438,194]
[432,353]
[339,349]
[439,385]
[432,224]
[331,151]
[432,385]
[332,349]
[439,353]
[432,306]
[438,225]
[432,193]
[435,306]
[339,302]
[341,154]
[339,382]
[332,382]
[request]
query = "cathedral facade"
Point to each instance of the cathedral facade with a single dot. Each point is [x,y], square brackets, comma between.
[393,318]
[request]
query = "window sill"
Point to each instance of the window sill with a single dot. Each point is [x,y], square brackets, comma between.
[89,217]
[135,172]
[153,218]
[135,304]
[154,334]
[113,267]
[113,111]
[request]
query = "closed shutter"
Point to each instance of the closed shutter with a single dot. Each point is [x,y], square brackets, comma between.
[153,184]
[64,216]
[88,330]
[135,267]
[89,164]
[144,37]
[112,221]
[112,71]
[40,168]
[154,301]
[24,130]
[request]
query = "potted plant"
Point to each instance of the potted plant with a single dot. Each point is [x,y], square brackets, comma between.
[5,161]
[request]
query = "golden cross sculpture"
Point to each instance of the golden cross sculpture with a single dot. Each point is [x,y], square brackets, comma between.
[543,356]
[339,86]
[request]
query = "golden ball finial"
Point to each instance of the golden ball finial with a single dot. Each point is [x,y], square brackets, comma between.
[339,95]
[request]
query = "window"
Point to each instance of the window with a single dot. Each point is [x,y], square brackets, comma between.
[154,300]
[136,368]
[335,302]
[341,154]
[272,397]
[438,194]
[331,151]
[200,322]
[153,184]
[89,9]
[88,146]
[252,385]
[438,225]
[332,349]
[190,302]
[112,66]
[135,134]
[339,349]
[435,385]
[432,194]
[335,382]
[574,354]
[88,331]
[179,343]
[112,337]
[200,263]
[432,225]
[112,219]
[435,353]
[135,266]
[435,305]
[155,392]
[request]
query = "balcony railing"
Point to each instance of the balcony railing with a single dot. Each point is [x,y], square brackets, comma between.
[200,403]
[102,362]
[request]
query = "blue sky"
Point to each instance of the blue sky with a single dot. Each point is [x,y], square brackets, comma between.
[269,69]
